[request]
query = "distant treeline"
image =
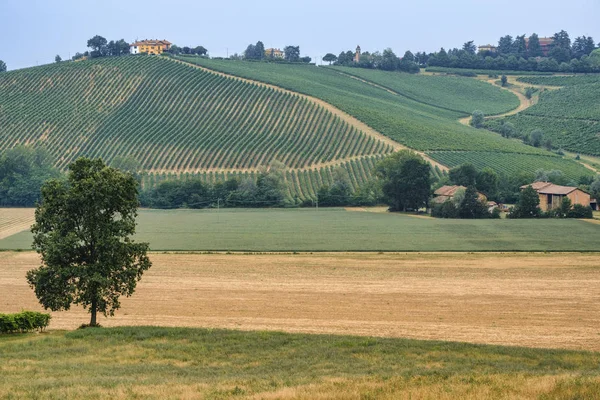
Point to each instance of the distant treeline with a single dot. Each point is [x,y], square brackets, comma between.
[511,54]
[23,170]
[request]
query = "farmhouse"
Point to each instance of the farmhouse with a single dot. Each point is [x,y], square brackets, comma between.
[150,46]
[551,195]
[446,193]
[275,53]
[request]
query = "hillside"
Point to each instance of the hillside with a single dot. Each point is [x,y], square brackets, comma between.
[426,123]
[215,119]
[569,116]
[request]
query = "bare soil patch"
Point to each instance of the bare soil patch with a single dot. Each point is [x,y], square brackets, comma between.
[534,300]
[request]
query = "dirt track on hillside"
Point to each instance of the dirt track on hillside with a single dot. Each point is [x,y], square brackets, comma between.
[525,299]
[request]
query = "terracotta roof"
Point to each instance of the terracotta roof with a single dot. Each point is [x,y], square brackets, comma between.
[537,185]
[551,188]
[448,191]
[150,43]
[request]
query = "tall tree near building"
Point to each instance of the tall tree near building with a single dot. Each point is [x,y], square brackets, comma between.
[528,205]
[292,53]
[534,49]
[470,47]
[406,180]
[83,228]
[98,44]
[505,45]
[582,46]
[519,46]
[259,50]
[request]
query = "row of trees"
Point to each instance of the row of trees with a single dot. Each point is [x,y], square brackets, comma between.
[387,61]
[520,54]
[535,138]
[257,52]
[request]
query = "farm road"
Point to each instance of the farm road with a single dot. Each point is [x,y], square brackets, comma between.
[535,300]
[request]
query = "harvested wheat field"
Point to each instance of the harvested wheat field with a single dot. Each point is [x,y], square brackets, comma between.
[14,220]
[534,300]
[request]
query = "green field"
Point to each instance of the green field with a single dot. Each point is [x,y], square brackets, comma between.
[459,94]
[162,363]
[340,230]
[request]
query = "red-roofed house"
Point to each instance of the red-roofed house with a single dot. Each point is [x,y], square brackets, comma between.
[448,192]
[551,195]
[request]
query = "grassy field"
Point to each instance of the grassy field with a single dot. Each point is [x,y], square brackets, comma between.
[460,94]
[169,363]
[341,230]
[517,299]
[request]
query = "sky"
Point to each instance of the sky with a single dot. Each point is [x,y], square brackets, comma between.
[33,32]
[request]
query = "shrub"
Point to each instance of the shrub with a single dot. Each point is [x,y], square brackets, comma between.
[25,321]
[580,211]
[477,119]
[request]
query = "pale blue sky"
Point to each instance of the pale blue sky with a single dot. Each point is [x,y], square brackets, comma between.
[34,31]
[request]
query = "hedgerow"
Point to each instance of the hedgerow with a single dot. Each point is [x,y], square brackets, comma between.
[25,321]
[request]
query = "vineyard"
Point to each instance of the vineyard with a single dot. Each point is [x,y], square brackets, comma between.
[416,125]
[560,80]
[569,117]
[463,95]
[510,163]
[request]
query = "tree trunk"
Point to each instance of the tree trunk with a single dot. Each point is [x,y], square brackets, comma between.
[94,310]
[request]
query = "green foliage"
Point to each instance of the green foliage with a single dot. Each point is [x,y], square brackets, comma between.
[560,80]
[471,207]
[503,80]
[82,231]
[581,211]
[477,119]
[484,71]
[528,205]
[406,180]
[2,66]
[25,321]
[463,175]
[23,170]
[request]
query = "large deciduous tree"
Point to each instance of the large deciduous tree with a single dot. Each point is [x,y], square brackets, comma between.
[82,231]
[2,66]
[406,180]
[329,57]
[98,44]
[292,53]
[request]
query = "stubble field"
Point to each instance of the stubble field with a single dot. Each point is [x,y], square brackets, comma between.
[533,300]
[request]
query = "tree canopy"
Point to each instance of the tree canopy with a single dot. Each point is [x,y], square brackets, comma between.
[406,180]
[83,228]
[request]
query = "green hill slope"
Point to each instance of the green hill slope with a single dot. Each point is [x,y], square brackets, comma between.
[460,94]
[569,116]
[425,127]
[170,117]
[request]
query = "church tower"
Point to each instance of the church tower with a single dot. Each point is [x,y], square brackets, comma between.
[357,55]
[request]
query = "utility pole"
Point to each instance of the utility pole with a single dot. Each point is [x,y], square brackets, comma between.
[317,201]
[218,204]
